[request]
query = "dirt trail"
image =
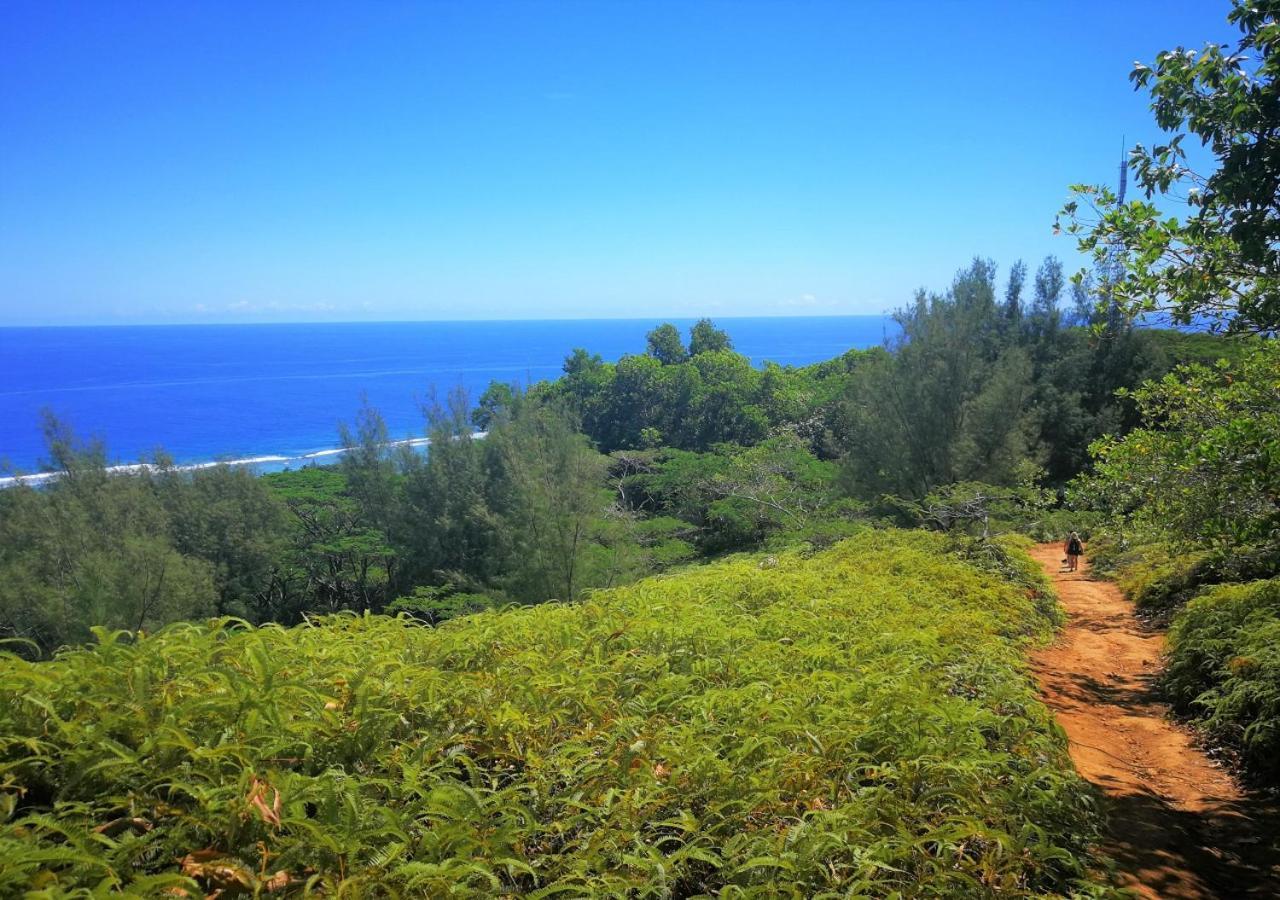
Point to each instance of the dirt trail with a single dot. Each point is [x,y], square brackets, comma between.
[1180,826]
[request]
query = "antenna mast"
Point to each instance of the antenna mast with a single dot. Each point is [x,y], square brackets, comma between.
[1124,174]
[1113,269]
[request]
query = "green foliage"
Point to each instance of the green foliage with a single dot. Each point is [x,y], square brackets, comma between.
[1158,577]
[91,549]
[951,404]
[1224,668]
[719,457]
[665,346]
[705,337]
[737,498]
[1205,470]
[1006,557]
[526,512]
[1222,260]
[1200,347]
[449,529]
[552,504]
[434,605]
[236,523]
[338,559]
[499,397]
[691,400]
[855,723]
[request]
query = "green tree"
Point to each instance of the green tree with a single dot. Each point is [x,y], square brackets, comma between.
[453,535]
[705,337]
[91,548]
[552,503]
[722,407]
[1013,310]
[950,404]
[369,466]
[496,399]
[1205,468]
[339,560]
[1221,259]
[580,363]
[231,519]
[665,345]
[1046,317]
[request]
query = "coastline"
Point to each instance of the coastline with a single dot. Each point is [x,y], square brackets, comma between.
[276,462]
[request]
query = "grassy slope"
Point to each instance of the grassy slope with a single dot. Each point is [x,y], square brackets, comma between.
[854,723]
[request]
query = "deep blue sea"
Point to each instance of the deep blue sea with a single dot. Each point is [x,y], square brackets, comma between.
[236,392]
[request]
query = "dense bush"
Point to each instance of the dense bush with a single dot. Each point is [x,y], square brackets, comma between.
[854,723]
[1224,667]
[1201,471]
[1160,577]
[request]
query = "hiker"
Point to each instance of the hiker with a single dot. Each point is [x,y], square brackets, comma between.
[1073,549]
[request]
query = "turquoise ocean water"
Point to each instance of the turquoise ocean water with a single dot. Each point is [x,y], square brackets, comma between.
[241,392]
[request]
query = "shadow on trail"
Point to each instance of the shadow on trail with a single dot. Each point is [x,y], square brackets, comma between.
[1229,846]
[1083,688]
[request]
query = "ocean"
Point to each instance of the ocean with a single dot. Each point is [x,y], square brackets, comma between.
[273,395]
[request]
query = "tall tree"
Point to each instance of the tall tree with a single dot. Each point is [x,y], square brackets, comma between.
[233,520]
[665,345]
[92,548]
[705,337]
[369,466]
[553,505]
[453,533]
[1221,259]
[1013,292]
[948,405]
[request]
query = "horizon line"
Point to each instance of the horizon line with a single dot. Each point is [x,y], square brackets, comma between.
[657,318]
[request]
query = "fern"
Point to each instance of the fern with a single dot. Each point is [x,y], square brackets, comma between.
[854,722]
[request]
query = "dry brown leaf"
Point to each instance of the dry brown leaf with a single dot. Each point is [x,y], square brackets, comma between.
[277,882]
[257,799]
[221,875]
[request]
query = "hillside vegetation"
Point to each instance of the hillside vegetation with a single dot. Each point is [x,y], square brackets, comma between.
[1224,666]
[850,723]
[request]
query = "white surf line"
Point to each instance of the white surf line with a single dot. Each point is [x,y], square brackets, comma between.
[134,468]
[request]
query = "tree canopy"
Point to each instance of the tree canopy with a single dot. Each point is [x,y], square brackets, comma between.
[1218,261]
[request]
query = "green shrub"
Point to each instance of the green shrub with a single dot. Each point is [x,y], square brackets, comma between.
[1158,577]
[855,723]
[438,604]
[1106,550]
[1224,668]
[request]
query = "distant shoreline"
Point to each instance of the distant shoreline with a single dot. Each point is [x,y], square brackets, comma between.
[241,392]
[38,478]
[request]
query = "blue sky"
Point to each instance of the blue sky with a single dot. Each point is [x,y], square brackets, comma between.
[218,162]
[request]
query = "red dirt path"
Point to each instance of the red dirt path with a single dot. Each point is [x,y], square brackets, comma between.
[1180,826]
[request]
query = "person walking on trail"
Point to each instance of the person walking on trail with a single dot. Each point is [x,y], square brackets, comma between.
[1073,548]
